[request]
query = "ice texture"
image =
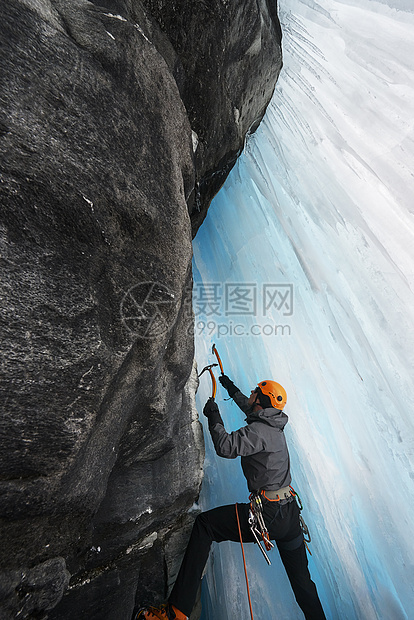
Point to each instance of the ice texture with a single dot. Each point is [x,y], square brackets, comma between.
[319,209]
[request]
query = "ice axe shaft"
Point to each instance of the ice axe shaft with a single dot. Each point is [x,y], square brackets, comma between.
[213,379]
[216,353]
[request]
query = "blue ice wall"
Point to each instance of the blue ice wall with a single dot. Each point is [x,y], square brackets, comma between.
[304,273]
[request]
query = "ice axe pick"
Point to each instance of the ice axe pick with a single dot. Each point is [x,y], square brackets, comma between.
[213,379]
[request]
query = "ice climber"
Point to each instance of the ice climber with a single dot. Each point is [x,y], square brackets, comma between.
[261,444]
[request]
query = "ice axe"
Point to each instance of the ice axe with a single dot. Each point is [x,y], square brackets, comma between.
[213,379]
[216,353]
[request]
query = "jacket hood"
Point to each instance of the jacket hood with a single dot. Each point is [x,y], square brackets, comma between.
[274,417]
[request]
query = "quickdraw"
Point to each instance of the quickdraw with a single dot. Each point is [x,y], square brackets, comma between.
[258,527]
[305,530]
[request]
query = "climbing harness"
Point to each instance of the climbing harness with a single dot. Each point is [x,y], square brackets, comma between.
[256,520]
[216,353]
[244,563]
[213,379]
[277,496]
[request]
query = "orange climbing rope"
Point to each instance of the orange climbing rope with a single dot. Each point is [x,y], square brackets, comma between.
[244,562]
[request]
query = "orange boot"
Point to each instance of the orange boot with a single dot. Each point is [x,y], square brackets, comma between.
[165,612]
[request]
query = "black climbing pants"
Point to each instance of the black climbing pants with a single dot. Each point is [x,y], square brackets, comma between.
[220,524]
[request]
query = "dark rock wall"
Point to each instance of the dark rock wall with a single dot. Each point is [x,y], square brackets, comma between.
[228,61]
[102,105]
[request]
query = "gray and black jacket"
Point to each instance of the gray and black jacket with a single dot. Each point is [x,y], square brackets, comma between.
[261,444]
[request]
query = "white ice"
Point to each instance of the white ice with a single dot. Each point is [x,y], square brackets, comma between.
[322,199]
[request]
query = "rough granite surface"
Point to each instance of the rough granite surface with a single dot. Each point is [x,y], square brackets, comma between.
[119,121]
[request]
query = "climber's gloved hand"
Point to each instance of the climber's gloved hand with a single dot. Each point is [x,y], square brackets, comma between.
[212,413]
[210,407]
[228,384]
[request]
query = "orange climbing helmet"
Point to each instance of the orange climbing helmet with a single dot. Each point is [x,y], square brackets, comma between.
[275,392]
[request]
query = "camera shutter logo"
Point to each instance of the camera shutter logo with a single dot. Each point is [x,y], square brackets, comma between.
[148,309]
